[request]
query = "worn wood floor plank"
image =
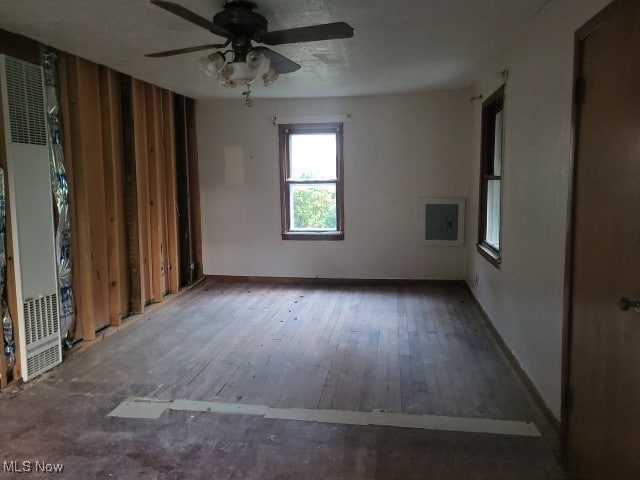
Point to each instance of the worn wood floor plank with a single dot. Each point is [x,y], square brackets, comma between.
[416,349]
[412,349]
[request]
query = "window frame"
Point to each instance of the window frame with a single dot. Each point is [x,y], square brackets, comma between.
[490,108]
[284,133]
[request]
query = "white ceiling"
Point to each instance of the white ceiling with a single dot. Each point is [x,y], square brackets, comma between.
[398,45]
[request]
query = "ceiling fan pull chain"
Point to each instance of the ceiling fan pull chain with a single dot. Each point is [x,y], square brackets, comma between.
[248,101]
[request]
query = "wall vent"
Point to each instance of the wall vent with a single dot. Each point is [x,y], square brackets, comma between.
[41,362]
[32,234]
[25,99]
[41,320]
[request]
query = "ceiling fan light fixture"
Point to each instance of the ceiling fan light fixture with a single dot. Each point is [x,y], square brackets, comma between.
[236,73]
[269,77]
[217,59]
[258,62]
[208,67]
[241,25]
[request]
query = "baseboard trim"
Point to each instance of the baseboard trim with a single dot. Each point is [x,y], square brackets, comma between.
[554,423]
[196,282]
[332,281]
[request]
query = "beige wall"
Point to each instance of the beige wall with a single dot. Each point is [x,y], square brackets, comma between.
[524,298]
[396,149]
[399,148]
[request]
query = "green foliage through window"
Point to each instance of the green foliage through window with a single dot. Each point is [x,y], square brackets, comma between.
[312,187]
[314,208]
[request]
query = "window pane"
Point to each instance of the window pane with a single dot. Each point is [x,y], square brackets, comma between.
[313,156]
[313,207]
[497,145]
[492,236]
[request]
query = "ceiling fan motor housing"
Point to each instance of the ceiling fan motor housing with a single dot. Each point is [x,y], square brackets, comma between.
[239,18]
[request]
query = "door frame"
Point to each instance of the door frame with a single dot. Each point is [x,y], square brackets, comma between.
[579,37]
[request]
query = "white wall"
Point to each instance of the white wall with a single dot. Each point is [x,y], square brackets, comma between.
[396,149]
[399,148]
[524,298]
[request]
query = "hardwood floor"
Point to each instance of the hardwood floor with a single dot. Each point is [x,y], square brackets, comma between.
[415,349]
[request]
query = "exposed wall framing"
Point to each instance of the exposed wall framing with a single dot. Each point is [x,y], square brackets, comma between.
[85,161]
[188,192]
[10,280]
[112,146]
[131,160]
[124,191]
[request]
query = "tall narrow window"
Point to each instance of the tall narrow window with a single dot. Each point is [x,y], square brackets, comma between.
[489,234]
[311,185]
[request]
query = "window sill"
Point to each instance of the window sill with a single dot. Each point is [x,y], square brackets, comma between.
[490,254]
[313,236]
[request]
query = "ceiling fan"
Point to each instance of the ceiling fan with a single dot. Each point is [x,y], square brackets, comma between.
[241,26]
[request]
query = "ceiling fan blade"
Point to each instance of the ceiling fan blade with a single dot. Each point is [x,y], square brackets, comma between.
[189,16]
[279,63]
[179,51]
[327,31]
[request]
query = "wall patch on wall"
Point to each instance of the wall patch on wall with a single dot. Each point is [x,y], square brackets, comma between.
[233,166]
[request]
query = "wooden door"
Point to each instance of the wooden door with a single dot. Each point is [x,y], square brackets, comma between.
[604,359]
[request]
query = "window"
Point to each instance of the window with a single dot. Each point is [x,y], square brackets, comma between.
[311,185]
[491,177]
